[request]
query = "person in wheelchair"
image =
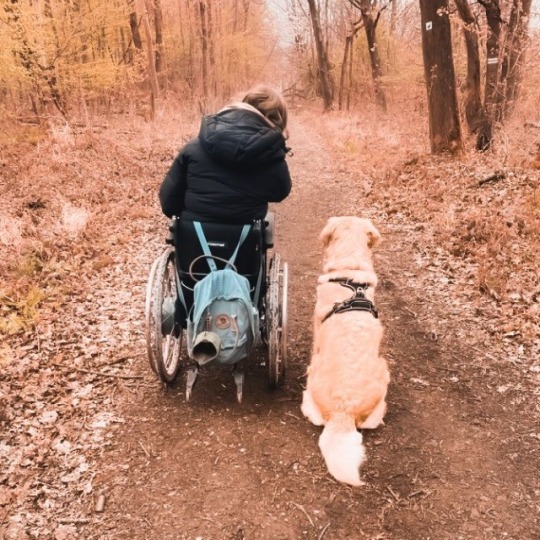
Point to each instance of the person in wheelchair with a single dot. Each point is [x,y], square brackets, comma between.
[225,178]
[235,166]
[217,191]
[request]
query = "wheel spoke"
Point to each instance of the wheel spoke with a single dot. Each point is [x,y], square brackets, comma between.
[164,350]
[276,357]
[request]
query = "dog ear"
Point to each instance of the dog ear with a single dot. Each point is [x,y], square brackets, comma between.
[328,231]
[374,236]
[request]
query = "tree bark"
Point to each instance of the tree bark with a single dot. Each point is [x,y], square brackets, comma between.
[211,48]
[322,57]
[391,53]
[445,131]
[158,23]
[135,34]
[370,17]
[348,43]
[494,21]
[151,57]
[349,40]
[204,50]
[473,101]
[516,43]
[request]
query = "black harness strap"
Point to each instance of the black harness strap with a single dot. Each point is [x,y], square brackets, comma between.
[357,302]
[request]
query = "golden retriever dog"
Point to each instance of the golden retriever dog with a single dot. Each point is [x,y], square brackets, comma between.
[347,379]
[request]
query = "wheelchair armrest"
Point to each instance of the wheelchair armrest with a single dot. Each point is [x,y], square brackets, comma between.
[172,230]
[268,231]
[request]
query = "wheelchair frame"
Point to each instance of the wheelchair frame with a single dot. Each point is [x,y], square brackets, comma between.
[166,340]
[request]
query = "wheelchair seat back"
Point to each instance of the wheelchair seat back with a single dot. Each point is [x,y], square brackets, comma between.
[222,240]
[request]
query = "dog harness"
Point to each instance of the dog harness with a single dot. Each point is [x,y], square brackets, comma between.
[358,302]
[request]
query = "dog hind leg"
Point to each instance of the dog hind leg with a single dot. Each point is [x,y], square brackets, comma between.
[310,409]
[375,419]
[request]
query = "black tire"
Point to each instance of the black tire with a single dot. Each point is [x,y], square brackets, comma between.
[164,337]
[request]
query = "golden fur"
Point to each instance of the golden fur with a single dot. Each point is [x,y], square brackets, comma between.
[347,379]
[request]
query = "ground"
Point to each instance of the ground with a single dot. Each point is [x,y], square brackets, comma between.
[94,447]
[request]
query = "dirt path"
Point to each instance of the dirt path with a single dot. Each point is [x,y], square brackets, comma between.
[447,464]
[457,458]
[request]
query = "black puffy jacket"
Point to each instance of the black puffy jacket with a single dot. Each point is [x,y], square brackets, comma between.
[230,172]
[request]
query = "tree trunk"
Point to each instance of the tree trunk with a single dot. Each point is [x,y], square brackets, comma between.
[473,100]
[444,127]
[391,53]
[370,18]
[322,58]
[192,61]
[351,72]
[151,57]
[204,49]
[211,49]
[493,14]
[348,42]
[516,43]
[158,22]
[135,34]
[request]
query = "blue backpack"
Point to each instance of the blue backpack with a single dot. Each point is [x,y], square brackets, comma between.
[223,324]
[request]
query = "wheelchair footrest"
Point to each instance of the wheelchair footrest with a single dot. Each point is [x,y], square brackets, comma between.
[190,381]
[239,381]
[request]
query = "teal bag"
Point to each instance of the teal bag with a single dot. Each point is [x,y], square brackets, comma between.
[223,325]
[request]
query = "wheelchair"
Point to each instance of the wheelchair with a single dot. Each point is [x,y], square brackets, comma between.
[169,297]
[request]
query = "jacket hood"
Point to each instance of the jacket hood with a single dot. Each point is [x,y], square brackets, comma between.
[241,138]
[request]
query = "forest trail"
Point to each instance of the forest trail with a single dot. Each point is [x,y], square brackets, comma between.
[454,460]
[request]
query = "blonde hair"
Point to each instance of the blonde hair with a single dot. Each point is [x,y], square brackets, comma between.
[268,102]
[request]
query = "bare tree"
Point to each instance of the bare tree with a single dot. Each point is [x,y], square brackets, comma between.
[347,60]
[42,75]
[514,50]
[494,22]
[158,23]
[474,110]
[134,26]
[444,126]
[322,56]
[151,57]
[204,48]
[371,13]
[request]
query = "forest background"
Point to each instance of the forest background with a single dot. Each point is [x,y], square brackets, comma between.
[75,67]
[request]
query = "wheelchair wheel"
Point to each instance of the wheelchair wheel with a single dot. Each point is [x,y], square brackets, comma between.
[277,321]
[164,337]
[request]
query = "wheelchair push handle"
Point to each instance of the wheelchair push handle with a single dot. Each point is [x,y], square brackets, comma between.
[268,229]
[172,228]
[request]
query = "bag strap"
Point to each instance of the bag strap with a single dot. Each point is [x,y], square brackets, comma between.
[259,284]
[243,235]
[204,246]
[206,249]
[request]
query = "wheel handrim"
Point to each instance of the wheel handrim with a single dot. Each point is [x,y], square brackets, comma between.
[149,326]
[164,350]
[275,330]
[284,316]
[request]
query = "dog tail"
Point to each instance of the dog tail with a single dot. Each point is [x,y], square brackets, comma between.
[342,449]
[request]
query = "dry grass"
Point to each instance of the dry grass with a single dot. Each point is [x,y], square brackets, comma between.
[65,193]
[491,227]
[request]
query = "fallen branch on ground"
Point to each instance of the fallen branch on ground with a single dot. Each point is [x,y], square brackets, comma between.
[493,178]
